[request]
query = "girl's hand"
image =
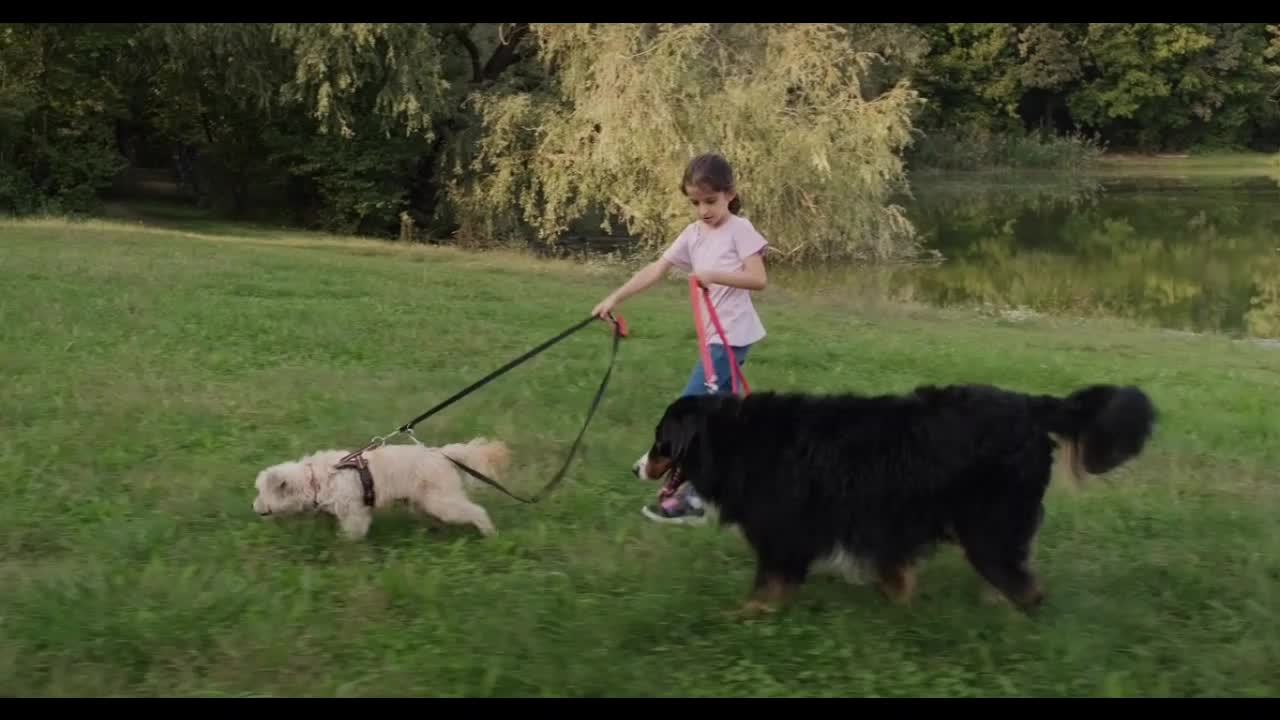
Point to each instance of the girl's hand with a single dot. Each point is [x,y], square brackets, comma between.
[703,281]
[603,308]
[643,278]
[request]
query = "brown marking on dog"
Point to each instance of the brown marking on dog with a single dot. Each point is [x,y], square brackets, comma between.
[768,597]
[656,468]
[1031,597]
[1068,462]
[899,584]
[991,595]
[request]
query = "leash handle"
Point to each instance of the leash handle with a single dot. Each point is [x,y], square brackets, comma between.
[619,325]
[736,378]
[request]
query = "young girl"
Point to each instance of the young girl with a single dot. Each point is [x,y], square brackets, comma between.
[725,253]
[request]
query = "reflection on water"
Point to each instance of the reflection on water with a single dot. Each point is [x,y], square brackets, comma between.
[1190,253]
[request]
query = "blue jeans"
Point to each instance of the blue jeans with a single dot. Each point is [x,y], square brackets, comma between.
[724,385]
[724,374]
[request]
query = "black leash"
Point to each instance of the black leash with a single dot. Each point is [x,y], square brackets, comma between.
[619,332]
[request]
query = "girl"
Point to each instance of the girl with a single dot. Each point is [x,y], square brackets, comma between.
[725,253]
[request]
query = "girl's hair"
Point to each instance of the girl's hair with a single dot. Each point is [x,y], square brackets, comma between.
[712,172]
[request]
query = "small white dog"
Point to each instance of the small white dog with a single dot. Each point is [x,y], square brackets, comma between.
[422,475]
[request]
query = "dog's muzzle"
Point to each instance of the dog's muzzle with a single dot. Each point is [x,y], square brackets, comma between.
[646,470]
[639,467]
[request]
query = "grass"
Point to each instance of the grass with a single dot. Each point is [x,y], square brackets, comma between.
[1201,165]
[979,150]
[151,372]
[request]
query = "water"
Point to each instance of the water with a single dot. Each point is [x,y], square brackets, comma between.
[1197,252]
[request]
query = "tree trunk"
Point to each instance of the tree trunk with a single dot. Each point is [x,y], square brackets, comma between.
[424,195]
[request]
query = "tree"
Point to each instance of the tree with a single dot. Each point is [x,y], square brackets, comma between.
[59,101]
[1149,85]
[627,105]
[1161,84]
[215,97]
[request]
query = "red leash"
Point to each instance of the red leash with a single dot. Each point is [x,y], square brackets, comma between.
[708,369]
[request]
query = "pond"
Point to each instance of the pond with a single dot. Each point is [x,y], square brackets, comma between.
[1197,251]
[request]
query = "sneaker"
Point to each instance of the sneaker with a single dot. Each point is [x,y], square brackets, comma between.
[676,510]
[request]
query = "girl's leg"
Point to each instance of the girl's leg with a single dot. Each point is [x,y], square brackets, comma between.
[697,384]
[686,507]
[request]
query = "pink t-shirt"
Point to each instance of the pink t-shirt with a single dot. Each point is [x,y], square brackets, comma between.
[699,248]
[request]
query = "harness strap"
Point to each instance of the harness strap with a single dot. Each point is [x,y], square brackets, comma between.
[315,486]
[361,466]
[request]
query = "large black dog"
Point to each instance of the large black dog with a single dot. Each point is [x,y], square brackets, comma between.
[882,480]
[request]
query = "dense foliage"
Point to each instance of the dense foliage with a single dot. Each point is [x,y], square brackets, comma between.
[1147,86]
[537,132]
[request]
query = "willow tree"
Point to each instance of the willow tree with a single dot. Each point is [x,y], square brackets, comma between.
[389,103]
[627,105]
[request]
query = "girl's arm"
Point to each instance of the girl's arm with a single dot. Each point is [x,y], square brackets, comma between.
[751,277]
[644,278]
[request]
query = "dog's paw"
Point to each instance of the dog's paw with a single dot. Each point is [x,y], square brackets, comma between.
[992,597]
[754,609]
[354,531]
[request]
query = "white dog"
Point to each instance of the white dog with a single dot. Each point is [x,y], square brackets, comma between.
[422,475]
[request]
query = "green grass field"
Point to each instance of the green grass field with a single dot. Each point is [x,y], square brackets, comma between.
[150,373]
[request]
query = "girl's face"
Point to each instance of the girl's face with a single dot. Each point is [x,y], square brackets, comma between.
[710,207]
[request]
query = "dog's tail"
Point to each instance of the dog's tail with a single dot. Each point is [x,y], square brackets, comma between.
[1099,427]
[491,457]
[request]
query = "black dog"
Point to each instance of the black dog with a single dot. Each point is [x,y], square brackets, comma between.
[883,480]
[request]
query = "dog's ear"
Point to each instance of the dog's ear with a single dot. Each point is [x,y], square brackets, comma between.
[684,434]
[277,480]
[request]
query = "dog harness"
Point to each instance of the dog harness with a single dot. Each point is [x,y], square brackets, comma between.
[361,466]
